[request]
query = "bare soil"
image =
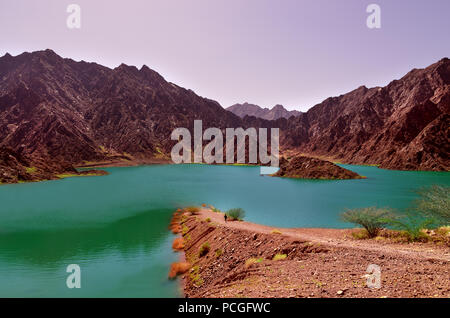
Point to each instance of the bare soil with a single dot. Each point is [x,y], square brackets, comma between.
[317,262]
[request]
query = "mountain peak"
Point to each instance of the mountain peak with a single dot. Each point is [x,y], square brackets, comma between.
[246,109]
[278,107]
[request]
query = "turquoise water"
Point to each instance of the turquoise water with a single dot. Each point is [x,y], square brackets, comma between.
[115,226]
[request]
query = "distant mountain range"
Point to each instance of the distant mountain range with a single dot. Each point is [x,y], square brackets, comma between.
[56,113]
[246,109]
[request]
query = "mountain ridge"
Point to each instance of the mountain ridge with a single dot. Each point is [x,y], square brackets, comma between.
[58,113]
[274,113]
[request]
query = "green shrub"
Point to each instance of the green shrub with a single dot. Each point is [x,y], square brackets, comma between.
[435,203]
[372,219]
[413,224]
[236,214]
[204,249]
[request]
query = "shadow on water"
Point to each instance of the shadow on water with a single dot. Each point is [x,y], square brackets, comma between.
[142,232]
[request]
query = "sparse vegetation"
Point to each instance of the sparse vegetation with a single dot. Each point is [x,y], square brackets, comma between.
[208,220]
[31,170]
[192,209]
[194,275]
[178,269]
[184,230]
[219,252]
[361,234]
[204,249]
[236,214]
[435,203]
[279,257]
[252,261]
[276,231]
[413,225]
[372,219]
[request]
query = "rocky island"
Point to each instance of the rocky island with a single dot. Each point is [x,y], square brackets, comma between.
[313,168]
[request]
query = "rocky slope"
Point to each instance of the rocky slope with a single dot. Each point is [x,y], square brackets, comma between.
[246,109]
[66,113]
[244,259]
[59,113]
[405,125]
[15,167]
[313,168]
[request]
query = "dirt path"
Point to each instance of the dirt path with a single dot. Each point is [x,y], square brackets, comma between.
[338,237]
[242,261]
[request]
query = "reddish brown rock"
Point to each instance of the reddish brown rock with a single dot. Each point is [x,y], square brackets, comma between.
[405,125]
[59,113]
[313,168]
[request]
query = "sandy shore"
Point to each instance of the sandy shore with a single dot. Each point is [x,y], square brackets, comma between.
[250,260]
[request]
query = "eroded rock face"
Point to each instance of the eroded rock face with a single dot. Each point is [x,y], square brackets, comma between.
[15,167]
[313,168]
[63,112]
[59,113]
[404,125]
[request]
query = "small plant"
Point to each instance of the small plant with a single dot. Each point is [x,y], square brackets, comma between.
[208,220]
[219,252]
[192,209]
[30,170]
[215,210]
[236,214]
[195,276]
[204,249]
[252,261]
[372,219]
[361,234]
[279,257]
[276,231]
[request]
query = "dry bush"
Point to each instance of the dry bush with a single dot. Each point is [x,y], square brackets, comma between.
[178,269]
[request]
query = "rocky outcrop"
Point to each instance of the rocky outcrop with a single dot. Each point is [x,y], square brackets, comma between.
[15,167]
[313,168]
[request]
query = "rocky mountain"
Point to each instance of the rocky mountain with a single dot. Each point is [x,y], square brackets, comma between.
[56,113]
[61,111]
[404,125]
[246,109]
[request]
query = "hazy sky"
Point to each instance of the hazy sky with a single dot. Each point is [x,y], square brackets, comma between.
[291,52]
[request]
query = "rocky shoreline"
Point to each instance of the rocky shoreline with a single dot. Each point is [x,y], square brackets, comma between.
[241,259]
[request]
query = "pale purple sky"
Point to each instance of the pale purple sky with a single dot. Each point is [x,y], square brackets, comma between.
[291,52]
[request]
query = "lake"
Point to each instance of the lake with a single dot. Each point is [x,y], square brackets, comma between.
[116,227]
